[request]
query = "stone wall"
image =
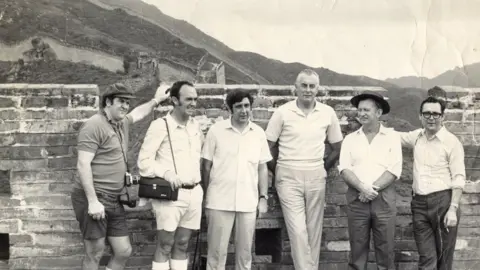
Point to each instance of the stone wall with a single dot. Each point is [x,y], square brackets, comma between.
[37,166]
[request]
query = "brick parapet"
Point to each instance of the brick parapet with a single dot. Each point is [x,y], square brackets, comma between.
[38,156]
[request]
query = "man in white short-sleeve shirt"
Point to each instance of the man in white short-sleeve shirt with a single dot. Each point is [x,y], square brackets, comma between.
[298,129]
[176,158]
[235,156]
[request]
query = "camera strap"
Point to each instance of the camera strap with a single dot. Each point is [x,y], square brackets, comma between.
[118,134]
[171,148]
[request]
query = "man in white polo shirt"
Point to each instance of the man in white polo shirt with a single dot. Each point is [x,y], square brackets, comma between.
[235,175]
[370,162]
[298,130]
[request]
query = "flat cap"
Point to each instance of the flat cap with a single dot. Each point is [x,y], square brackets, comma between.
[118,90]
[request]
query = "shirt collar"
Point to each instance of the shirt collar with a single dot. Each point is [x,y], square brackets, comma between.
[174,124]
[228,125]
[441,134]
[383,130]
[293,106]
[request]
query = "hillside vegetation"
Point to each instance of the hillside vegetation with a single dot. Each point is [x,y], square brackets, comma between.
[61,72]
[83,24]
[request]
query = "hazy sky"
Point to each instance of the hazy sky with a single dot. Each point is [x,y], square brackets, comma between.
[376,38]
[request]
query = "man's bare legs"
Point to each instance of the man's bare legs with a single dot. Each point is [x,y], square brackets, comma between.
[172,246]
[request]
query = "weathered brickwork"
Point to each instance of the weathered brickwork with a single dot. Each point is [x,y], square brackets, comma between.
[38,156]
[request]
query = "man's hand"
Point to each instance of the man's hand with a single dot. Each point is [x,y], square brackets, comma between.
[173,179]
[160,94]
[262,207]
[450,219]
[188,181]
[363,198]
[142,202]
[369,192]
[96,210]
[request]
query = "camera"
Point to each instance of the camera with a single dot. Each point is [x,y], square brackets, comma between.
[126,199]
[129,198]
[131,179]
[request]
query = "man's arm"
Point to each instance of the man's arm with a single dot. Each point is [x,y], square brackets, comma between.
[208,153]
[333,156]
[457,170]
[456,195]
[345,166]
[271,165]
[394,169]
[147,165]
[206,169]
[409,138]
[385,180]
[334,138]
[352,180]
[145,109]
[272,133]
[88,141]
[85,173]
[265,157]
[346,171]
[262,179]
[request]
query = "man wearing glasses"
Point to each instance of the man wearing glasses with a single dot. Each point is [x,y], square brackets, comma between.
[438,182]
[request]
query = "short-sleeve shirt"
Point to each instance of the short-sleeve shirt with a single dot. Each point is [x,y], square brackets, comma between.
[236,157]
[97,135]
[301,137]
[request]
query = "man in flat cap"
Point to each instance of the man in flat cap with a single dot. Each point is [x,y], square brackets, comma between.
[102,167]
[370,162]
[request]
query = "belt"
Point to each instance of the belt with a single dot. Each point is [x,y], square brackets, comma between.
[189,186]
[431,195]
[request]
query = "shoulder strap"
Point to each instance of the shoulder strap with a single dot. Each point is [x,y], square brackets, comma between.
[170,142]
[120,140]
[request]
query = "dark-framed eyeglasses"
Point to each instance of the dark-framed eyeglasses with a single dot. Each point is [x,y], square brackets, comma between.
[428,115]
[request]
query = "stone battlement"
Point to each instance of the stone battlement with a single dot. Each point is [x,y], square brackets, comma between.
[38,164]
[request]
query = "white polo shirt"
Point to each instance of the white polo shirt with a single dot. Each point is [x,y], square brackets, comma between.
[368,161]
[302,137]
[234,175]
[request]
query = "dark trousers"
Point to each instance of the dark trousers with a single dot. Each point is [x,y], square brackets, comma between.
[435,245]
[377,216]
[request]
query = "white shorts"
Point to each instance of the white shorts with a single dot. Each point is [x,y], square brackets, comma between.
[186,212]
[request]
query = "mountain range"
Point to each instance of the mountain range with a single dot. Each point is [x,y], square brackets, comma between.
[466,76]
[120,27]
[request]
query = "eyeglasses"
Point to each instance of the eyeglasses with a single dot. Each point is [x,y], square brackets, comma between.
[428,115]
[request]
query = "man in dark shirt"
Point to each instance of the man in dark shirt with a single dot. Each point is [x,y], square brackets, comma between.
[102,165]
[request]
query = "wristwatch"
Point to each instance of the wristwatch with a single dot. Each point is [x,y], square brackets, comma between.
[263,196]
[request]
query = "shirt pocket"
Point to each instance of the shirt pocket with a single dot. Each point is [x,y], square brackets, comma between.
[252,150]
[195,142]
[383,155]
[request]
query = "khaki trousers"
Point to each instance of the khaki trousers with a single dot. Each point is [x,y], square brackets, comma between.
[302,198]
[220,224]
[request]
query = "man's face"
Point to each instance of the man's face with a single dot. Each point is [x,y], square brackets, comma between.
[432,117]
[241,111]
[306,87]
[118,107]
[187,102]
[368,111]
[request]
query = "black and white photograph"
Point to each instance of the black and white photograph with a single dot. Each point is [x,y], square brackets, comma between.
[239,135]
